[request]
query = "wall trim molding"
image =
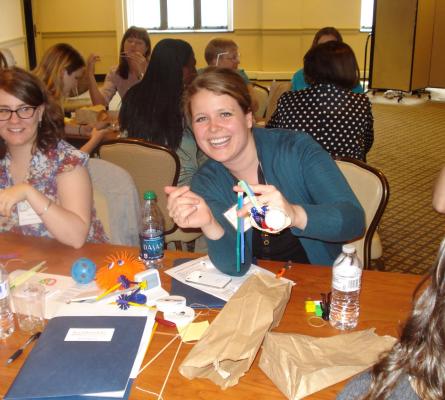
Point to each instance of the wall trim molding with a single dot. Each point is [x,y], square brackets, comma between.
[77,34]
[18,41]
[292,31]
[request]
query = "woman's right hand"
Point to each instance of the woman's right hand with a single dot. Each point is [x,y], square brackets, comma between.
[189,210]
[91,62]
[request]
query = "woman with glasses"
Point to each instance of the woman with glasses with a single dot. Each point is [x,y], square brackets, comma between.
[134,54]
[45,189]
[60,69]
[224,53]
[287,170]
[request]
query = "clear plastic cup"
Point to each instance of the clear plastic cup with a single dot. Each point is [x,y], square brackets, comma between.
[29,306]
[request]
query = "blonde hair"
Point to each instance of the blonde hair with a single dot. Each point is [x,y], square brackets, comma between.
[56,59]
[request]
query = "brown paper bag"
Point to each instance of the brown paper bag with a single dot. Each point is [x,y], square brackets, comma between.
[230,344]
[300,365]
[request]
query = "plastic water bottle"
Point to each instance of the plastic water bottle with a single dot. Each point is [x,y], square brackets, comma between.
[346,282]
[6,314]
[152,232]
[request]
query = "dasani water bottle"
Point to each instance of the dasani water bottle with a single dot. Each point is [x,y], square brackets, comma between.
[152,232]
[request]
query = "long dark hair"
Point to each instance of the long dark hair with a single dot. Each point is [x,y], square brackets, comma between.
[29,89]
[123,69]
[151,109]
[421,350]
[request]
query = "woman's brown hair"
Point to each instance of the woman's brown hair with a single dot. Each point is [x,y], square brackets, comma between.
[29,89]
[219,81]
[331,62]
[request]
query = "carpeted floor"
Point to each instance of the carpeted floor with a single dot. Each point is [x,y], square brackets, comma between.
[409,148]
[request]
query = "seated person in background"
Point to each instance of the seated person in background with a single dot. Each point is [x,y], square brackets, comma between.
[151,110]
[414,368]
[134,54]
[224,53]
[287,170]
[60,69]
[341,121]
[3,62]
[439,193]
[45,189]
[324,35]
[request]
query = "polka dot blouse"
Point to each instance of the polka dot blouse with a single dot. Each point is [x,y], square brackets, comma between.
[341,121]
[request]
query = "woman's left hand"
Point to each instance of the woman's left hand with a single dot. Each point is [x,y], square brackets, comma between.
[271,196]
[11,196]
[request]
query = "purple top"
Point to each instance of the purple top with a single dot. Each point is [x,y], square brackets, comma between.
[115,83]
[42,174]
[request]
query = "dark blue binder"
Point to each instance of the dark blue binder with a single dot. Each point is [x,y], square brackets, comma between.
[59,369]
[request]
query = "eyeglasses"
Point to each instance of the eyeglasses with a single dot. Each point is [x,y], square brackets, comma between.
[234,57]
[25,112]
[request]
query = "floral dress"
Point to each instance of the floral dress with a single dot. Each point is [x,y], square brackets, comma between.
[42,175]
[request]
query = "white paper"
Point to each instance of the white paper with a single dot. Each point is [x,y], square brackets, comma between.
[27,215]
[204,264]
[89,335]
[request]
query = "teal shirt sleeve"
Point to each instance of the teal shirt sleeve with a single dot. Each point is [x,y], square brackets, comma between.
[358,88]
[243,75]
[298,82]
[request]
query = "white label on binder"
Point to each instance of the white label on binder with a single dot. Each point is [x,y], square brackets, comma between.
[89,335]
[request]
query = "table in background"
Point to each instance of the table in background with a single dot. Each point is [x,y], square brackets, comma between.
[385,302]
[78,141]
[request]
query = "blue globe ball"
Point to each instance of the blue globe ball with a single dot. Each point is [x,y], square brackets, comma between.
[83,270]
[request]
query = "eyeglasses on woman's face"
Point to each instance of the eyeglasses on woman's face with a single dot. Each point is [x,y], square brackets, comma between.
[24,112]
[227,55]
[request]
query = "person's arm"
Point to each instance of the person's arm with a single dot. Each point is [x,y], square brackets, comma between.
[439,193]
[95,93]
[96,138]
[68,219]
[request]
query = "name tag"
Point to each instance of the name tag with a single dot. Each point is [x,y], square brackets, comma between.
[27,215]
[231,216]
[89,335]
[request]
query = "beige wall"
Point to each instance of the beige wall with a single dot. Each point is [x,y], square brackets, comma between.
[12,30]
[272,35]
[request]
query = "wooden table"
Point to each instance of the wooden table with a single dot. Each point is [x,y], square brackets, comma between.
[385,302]
[78,141]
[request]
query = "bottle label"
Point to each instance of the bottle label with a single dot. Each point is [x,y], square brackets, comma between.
[3,290]
[346,279]
[152,248]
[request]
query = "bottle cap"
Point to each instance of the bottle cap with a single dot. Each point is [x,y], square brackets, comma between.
[150,195]
[348,248]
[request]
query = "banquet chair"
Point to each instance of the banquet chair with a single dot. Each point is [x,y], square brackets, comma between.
[261,94]
[372,190]
[276,90]
[116,201]
[152,167]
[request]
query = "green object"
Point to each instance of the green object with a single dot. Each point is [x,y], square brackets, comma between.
[150,195]
[318,311]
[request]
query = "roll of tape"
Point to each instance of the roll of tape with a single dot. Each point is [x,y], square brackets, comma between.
[180,318]
[170,304]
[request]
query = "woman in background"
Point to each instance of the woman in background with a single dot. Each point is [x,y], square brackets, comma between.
[287,170]
[134,54]
[415,367]
[151,110]
[324,35]
[60,69]
[45,189]
[341,121]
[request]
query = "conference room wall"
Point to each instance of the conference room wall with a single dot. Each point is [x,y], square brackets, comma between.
[12,30]
[273,35]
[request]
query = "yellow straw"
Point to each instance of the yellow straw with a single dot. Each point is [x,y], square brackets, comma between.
[26,275]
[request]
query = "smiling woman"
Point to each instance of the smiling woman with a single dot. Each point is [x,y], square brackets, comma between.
[45,189]
[287,171]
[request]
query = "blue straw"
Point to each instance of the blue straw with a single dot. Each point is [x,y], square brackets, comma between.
[244,185]
[239,235]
